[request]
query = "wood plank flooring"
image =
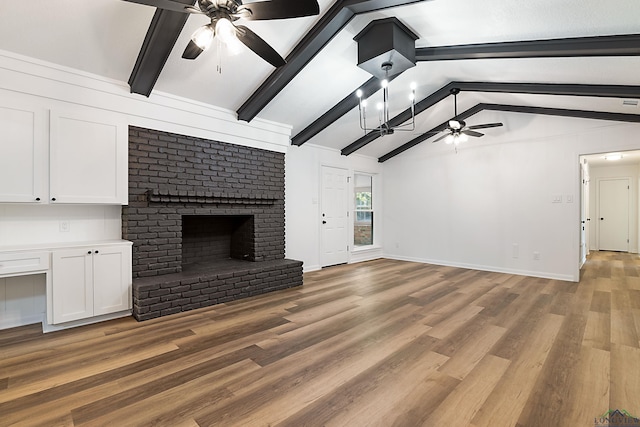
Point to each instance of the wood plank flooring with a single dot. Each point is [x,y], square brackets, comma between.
[381,343]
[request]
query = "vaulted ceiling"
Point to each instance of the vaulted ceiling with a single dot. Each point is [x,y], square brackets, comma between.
[574,58]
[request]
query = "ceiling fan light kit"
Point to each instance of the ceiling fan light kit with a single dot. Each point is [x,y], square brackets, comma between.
[223,14]
[457,130]
[203,36]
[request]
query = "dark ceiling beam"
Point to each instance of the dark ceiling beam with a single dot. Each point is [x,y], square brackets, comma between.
[322,33]
[598,91]
[607,91]
[561,112]
[619,45]
[161,37]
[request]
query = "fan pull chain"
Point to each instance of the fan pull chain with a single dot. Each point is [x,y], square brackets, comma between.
[219,53]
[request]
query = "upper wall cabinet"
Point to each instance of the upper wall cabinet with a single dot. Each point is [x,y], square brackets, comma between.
[22,154]
[87,152]
[88,158]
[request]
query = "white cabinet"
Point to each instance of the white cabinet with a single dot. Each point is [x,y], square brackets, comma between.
[22,153]
[90,281]
[87,152]
[88,158]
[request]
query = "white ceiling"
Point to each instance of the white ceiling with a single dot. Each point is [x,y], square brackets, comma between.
[103,37]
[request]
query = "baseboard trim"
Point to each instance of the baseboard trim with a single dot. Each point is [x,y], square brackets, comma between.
[493,269]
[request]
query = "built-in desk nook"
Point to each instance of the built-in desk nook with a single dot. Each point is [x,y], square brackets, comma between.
[65,285]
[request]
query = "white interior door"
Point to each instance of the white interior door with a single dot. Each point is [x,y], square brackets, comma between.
[613,218]
[335,233]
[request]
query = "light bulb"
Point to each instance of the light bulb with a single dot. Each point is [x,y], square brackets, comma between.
[203,37]
[412,86]
[449,139]
[412,96]
[364,103]
[359,93]
[463,137]
[226,33]
[379,105]
[384,83]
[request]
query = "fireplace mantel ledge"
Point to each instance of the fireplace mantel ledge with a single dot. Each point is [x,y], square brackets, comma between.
[205,197]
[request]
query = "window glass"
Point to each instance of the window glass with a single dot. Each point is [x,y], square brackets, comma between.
[363,218]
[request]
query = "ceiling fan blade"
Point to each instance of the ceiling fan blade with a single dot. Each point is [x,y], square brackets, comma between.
[442,137]
[167,5]
[485,126]
[192,51]
[281,9]
[472,133]
[259,46]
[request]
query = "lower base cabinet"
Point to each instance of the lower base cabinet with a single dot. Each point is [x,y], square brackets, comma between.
[90,281]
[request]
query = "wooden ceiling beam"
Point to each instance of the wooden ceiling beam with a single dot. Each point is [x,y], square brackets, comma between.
[161,37]
[618,45]
[561,112]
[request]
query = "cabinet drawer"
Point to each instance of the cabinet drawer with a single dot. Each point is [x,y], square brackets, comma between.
[23,262]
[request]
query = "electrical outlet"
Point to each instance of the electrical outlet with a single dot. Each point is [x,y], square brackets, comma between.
[536,256]
[515,250]
[65,226]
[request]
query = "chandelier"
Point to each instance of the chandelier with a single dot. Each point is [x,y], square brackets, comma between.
[384,127]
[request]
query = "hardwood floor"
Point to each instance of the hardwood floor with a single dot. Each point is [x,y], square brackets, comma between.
[381,343]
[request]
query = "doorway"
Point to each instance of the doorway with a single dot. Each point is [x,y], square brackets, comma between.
[334,217]
[610,190]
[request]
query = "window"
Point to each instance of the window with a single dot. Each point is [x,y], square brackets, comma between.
[363,218]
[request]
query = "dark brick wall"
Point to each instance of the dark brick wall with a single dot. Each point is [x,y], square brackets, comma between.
[172,175]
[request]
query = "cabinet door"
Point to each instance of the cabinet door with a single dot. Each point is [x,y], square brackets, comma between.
[111,279]
[88,158]
[72,284]
[22,154]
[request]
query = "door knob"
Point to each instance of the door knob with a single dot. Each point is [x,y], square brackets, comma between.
[601,219]
[324,222]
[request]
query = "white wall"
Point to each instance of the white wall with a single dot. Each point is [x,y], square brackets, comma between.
[24,225]
[490,206]
[596,173]
[303,200]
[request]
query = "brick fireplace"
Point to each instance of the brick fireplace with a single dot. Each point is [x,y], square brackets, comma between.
[207,222]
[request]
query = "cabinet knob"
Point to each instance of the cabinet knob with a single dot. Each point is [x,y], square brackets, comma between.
[53,199]
[37,199]
[95,252]
[89,252]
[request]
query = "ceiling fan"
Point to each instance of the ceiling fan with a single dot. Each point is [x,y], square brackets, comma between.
[457,130]
[223,14]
